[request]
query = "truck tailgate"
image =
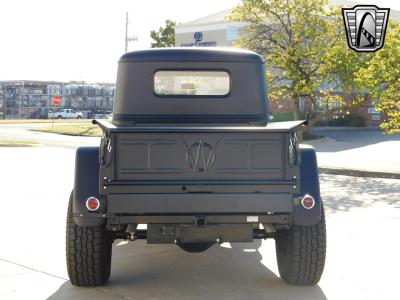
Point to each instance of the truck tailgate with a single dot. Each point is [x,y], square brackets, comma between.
[209,157]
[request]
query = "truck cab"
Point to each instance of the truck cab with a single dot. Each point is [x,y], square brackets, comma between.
[191,154]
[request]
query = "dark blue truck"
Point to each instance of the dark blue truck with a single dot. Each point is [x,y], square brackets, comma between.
[190,153]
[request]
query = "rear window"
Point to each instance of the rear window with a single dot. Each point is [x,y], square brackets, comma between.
[192,83]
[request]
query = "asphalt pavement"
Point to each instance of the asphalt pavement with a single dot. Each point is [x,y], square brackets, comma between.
[364,149]
[22,132]
[363,217]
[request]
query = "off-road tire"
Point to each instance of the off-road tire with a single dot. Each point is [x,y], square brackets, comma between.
[301,253]
[88,253]
[195,247]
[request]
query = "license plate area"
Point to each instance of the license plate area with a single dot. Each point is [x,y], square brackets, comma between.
[174,233]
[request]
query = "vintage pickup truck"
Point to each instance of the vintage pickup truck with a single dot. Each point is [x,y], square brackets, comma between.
[189,153]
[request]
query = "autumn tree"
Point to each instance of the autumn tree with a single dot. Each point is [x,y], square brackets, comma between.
[304,44]
[165,36]
[382,77]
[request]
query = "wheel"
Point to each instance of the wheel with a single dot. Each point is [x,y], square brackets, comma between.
[59,117]
[79,117]
[88,253]
[195,247]
[301,252]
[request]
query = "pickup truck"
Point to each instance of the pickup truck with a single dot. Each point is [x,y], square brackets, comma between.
[190,153]
[65,114]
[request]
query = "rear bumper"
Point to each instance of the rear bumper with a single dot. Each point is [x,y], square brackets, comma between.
[199,203]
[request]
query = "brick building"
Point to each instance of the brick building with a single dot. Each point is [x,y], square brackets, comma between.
[367,111]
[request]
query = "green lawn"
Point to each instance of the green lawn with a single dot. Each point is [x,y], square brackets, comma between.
[84,129]
[21,121]
[281,117]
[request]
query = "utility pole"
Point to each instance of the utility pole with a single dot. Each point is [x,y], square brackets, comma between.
[127,38]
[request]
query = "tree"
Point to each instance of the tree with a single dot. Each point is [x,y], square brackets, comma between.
[164,37]
[383,79]
[304,44]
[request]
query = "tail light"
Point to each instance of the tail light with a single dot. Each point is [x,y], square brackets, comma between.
[307,201]
[92,203]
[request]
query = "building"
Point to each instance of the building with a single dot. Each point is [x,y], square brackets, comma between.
[211,31]
[217,30]
[33,99]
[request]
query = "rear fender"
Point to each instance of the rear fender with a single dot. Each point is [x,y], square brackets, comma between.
[309,184]
[86,184]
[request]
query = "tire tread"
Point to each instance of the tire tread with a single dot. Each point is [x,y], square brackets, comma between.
[88,253]
[301,253]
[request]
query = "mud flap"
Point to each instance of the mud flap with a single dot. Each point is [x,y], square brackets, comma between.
[86,184]
[309,184]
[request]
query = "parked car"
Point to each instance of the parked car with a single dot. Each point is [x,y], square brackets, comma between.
[65,114]
[106,115]
[190,153]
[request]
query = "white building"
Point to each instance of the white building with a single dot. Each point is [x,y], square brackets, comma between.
[211,31]
[217,30]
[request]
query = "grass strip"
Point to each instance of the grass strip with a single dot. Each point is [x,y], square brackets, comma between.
[73,129]
[18,143]
[23,121]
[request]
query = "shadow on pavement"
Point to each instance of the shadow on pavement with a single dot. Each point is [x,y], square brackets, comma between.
[357,192]
[142,271]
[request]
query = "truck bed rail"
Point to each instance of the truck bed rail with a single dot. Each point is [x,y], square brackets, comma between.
[275,127]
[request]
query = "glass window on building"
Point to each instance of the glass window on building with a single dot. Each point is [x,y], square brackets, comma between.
[232,33]
[373,110]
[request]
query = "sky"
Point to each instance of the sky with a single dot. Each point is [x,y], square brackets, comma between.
[65,40]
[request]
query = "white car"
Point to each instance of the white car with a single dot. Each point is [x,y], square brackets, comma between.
[65,114]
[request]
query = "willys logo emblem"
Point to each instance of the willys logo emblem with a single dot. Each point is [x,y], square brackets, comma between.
[365,27]
[200,156]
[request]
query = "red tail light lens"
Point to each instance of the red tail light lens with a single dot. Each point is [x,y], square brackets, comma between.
[92,203]
[307,201]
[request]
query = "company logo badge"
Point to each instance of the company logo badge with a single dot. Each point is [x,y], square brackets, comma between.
[200,156]
[198,36]
[366,27]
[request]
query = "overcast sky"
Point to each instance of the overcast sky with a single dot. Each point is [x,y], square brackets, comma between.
[83,40]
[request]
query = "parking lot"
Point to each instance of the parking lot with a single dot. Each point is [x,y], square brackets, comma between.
[363,215]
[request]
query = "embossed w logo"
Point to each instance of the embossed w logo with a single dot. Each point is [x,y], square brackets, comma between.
[200,156]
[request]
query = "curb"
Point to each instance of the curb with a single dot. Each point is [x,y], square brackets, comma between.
[340,128]
[359,173]
[320,140]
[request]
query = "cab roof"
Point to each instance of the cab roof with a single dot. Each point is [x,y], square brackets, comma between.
[193,54]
